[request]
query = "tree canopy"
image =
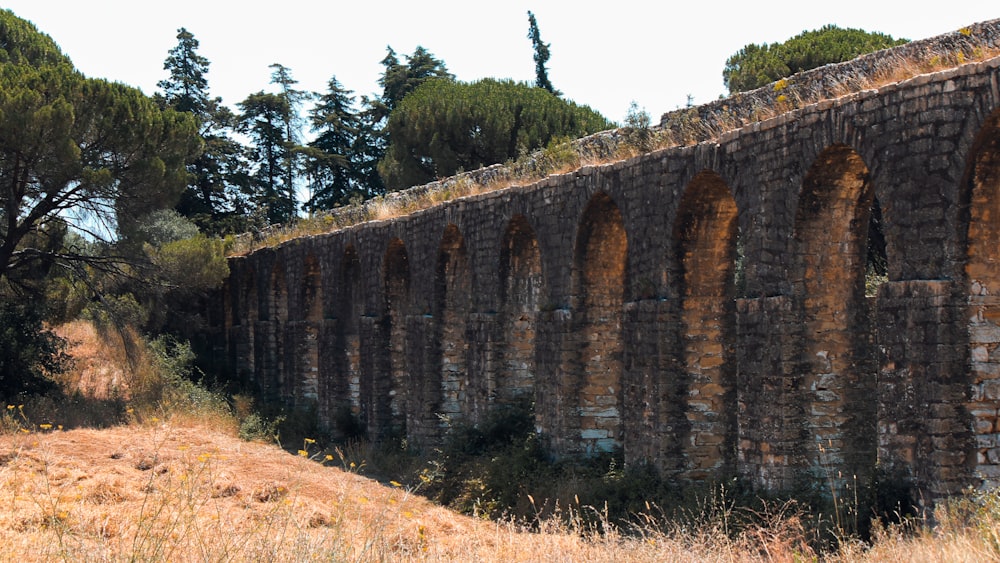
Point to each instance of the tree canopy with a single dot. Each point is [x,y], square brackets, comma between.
[400,79]
[264,120]
[755,65]
[92,153]
[214,197]
[332,163]
[445,126]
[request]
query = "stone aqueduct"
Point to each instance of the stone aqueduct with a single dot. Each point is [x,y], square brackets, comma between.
[612,299]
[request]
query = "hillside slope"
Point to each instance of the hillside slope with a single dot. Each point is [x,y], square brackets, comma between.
[165,492]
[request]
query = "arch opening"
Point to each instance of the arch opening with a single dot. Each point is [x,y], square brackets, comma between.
[521,294]
[599,266]
[452,303]
[312,301]
[831,259]
[245,322]
[272,366]
[391,394]
[705,233]
[982,272]
[346,397]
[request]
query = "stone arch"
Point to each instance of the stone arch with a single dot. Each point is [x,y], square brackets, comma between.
[230,324]
[705,233]
[275,302]
[447,389]
[390,401]
[521,292]
[272,350]
[983,262]
[307,386]
[599,278]
[230,306]
[838,372]
[345,397]
[245,316]
[982,273]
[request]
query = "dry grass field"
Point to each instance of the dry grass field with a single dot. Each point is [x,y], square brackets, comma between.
[174,482]
[165,491]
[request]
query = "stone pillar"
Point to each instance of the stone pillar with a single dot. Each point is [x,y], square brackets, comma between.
[267,360]
[351,371]
[331,384]
[557,410]
[650,388]
[769,404]
[302,370]
[241,353]
[485,337]
[709,377]
[923,391]
[375,383]
[984,406]
[421,394]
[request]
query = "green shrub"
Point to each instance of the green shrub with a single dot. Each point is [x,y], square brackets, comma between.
[30,354]
[254,427]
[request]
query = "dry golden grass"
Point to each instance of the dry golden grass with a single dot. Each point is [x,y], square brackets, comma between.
[177,484]
[164,491]
[100,367]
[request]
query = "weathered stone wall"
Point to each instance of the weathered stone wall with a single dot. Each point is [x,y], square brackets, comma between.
[702,308]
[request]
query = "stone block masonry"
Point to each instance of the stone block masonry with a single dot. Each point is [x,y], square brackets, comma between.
[701,308]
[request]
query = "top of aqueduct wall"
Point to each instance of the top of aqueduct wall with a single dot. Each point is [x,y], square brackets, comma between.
[725,119]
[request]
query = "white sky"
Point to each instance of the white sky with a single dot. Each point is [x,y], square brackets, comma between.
[604,54]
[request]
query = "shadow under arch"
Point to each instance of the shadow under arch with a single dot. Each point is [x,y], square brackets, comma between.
[445,390]
[389,401]
[705,238]
[838,366]
[344,389]
[982,278]
[599,279]
[521,291]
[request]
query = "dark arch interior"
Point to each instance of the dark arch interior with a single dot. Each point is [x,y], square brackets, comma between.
[832,254]
[705,235]
[447,389]
[601,253]
[521,294]
[392,401]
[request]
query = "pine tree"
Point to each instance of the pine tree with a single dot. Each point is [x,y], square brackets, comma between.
[444,126]
[213,196]
[89,153]
[264,120]
[397,81]
[282,76]
[541,56]
[369,147]
[330,157]
[187,87]
[754,65]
